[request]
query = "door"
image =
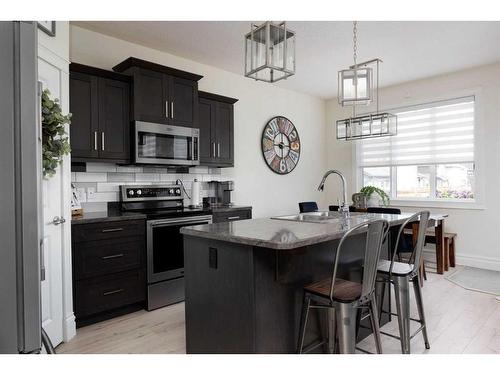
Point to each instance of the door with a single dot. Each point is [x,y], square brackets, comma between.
[114,122]
[183,102]
[53,206]
[206,124]
[224,134]
[84,121]
[151,96]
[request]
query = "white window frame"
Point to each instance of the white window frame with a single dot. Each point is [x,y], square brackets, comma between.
[477,203]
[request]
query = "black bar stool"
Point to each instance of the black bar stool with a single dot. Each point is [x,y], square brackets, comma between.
[308,207]
[342,298]
[400,274]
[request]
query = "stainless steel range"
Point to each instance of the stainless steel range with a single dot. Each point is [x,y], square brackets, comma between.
[165,213]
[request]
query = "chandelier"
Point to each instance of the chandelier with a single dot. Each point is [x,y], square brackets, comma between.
[269,52]
[357,88]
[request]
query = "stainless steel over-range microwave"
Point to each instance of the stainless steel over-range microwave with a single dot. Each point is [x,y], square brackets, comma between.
[165,144]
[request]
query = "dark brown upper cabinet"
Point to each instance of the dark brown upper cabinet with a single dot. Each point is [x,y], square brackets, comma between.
[216,123]
[161,94]
[100,122]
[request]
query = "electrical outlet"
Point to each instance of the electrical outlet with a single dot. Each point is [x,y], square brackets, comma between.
[90,193]
[81,194]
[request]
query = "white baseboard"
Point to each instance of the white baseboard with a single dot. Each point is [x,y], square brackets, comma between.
[69,328]
[487,263]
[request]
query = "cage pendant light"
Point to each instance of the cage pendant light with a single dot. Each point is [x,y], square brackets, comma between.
[270,52]
[356,87]
[356,83]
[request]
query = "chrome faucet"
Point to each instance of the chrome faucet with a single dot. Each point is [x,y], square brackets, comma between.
[344,207]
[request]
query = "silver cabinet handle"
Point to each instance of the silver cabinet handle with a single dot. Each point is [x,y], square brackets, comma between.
[172,109]
[113,292]
[166,108]
[95,141]
[213,143]
[233,217]
[102,141]
[112,256]
[112,230]
[58,220]
[218,149]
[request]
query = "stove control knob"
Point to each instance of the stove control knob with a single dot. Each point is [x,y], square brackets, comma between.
[131,192]
[139,192]
[171,191]
[178,191]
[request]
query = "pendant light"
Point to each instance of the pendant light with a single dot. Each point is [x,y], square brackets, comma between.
[356,88]
[269,52]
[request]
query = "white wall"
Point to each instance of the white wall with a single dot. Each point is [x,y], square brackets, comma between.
[255,184]
[477,228]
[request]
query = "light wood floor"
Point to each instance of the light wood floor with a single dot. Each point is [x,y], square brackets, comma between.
[459,321]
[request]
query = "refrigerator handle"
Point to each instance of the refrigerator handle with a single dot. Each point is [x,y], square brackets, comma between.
[42,261]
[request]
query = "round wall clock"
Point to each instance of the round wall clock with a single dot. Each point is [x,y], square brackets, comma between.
[280,145]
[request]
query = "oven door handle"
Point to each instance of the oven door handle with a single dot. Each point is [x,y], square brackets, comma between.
[187,220]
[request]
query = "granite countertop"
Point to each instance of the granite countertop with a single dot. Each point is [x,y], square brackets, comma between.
[105,216]
[116,214]
[229,208]
[284,234]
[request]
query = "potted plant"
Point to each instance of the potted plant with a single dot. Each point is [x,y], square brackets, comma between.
[368,192]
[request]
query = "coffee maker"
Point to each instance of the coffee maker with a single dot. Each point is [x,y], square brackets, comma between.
[222,191]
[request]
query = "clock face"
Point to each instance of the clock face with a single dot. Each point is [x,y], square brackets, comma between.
[280,145]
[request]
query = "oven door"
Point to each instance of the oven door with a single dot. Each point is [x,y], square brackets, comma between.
[165,246]
[165,144]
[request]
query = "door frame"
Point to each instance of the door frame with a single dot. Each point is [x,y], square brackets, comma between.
[69,325]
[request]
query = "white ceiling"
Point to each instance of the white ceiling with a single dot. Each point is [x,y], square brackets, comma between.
[410,50]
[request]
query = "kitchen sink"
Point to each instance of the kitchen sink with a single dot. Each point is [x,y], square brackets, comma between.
[318,216]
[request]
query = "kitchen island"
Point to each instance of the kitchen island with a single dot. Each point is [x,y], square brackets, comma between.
[244,280]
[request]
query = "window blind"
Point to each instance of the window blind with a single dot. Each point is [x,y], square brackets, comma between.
[434,133]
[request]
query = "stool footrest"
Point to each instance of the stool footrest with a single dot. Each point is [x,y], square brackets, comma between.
[313,345]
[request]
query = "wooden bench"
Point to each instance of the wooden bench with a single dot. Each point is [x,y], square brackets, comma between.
[449,247]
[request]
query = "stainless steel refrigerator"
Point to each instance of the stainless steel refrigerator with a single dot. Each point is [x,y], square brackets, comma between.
[20,173]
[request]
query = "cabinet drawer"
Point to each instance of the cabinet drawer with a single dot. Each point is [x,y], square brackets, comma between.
[105,293]
[220,217]
[107,230]
[96,258]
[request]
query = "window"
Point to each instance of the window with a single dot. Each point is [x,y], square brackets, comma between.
[431,157]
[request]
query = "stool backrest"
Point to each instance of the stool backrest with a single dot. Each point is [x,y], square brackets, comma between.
[336,208]
[376,233]
[421,219]
[308,207]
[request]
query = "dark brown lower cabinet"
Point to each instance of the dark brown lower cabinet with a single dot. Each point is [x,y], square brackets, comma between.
[108,269]
[232,215]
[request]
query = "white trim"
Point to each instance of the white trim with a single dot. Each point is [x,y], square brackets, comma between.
[487,263]
[431,203]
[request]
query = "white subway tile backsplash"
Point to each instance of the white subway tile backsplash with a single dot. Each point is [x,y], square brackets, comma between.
[106,179]
[169,177]
[121,177]
[104,187]
[101,167]
[90,177]
[104,197]
[147,177]
[129,169]
[199,170]
[95,207]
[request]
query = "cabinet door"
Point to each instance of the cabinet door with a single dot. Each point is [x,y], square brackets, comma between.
[114,124]
[183,102]
[206,123]
[150,96]
[224,134]
[83,106]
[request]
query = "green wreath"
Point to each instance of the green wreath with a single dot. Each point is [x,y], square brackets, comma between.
[55,140]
